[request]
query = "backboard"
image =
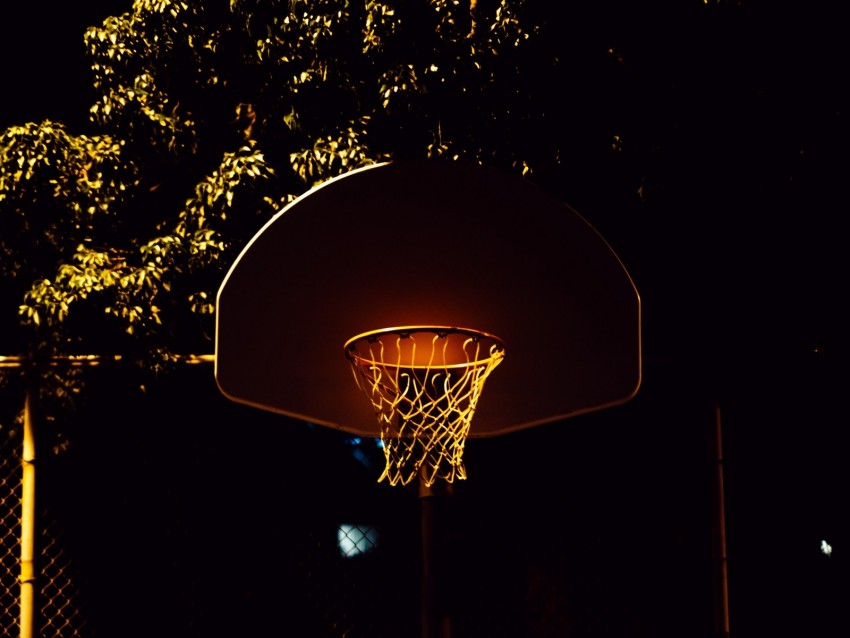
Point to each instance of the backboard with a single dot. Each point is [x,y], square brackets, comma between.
[436,243]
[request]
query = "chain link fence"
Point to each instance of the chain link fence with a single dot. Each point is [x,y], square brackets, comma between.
[57,611]
[155,519]
[10,525]
[174,512]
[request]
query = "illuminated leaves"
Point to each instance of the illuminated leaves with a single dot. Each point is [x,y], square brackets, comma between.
[507,29]
[55,189]
[136,287]
[215,116]
[398,84]
[332,156]
[379,25]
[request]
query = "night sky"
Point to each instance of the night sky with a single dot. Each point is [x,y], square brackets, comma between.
[735,241]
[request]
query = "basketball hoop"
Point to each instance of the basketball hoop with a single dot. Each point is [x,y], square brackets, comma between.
[424,383]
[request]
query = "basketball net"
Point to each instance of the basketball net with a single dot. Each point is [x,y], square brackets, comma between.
[423,383]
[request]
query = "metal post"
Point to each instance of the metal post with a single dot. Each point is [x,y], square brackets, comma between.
[435,616]
[721,575]
[27,602]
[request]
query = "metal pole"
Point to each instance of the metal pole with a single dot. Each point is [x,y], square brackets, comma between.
[435,617]
[722,581]
[27,602]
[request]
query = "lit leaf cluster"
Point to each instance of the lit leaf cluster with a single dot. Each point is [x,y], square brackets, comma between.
[55,186]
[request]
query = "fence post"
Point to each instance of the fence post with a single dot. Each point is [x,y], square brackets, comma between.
[27,601]
[721,604]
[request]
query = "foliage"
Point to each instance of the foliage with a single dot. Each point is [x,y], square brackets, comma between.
[209,118]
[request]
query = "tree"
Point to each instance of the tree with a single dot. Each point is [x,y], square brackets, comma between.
[210,118]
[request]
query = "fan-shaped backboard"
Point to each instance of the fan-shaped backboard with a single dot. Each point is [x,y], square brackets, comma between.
[429,243]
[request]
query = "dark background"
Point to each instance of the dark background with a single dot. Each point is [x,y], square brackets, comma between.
[727,206]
